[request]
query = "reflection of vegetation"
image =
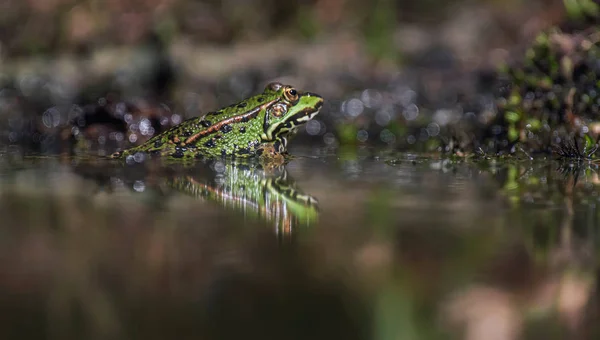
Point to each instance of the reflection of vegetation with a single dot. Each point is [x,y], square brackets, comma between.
[535,276]
[531,189]
[548,184]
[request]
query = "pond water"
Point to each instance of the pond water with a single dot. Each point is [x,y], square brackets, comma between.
[347,245]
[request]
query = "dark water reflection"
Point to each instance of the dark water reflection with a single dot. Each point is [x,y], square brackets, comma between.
[346,246]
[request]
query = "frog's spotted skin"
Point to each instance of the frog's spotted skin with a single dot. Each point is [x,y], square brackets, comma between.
[265,121]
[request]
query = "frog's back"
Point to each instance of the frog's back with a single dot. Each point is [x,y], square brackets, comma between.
[168,142]
[231,130]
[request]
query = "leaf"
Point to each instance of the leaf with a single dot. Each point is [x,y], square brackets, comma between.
[512,116]
[589,142]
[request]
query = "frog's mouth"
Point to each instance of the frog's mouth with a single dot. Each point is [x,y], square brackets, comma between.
[317,108]
[308,113]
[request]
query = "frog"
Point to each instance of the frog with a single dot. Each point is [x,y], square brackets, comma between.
[259,126]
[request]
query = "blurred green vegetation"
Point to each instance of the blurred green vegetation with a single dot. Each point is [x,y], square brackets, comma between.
[580,9]
[51,26]
[162,58]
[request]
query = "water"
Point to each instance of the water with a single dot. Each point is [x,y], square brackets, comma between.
[353,245]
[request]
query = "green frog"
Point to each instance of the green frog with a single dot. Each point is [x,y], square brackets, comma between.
[258,126]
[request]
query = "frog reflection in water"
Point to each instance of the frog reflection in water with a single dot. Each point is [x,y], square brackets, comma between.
[258,126]
[240,186]
[269,196]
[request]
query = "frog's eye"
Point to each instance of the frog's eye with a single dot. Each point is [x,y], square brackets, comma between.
[278,110]
[291,94]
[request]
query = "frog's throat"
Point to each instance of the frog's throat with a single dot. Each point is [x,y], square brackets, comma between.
[235,119]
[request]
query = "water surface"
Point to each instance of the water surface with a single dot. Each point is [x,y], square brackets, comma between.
[360,245]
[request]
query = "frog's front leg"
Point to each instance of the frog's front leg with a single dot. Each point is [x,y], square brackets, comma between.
[270,156]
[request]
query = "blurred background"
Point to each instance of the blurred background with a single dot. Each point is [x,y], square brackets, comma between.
[404,244]
[98,74]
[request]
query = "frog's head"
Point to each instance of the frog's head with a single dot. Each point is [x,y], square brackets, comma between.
[291,109]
